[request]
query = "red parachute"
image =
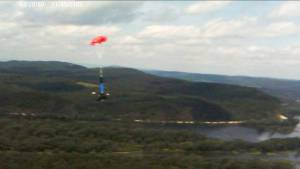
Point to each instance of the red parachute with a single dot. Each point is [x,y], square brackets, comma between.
[98,40]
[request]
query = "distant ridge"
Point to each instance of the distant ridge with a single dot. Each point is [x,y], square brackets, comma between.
[282,88]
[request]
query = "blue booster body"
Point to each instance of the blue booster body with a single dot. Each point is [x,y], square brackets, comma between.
[101,88]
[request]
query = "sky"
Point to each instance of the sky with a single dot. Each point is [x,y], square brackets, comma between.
[253,38]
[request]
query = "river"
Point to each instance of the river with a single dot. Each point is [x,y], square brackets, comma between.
[230,132]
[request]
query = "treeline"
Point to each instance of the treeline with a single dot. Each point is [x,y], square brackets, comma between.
[69,144]
[27,135]
[29,160]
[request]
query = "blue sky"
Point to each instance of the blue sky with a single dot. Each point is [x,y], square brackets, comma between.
[254,38]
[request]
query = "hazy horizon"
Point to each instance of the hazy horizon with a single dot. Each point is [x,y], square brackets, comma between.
[144,69]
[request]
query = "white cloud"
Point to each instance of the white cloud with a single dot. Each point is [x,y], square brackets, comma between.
[242,45]
[75,12]
[287,9]
[169,31]
[75,30]
[280,29]
[236,27]
[206,6]
[6,26]
[129,40]
[245,27]
[160,12]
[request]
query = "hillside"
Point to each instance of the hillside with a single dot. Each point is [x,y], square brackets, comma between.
[64,90]
[287,90]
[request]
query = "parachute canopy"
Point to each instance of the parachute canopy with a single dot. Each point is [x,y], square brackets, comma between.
[98,40]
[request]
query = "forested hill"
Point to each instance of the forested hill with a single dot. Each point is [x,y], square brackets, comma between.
[61,89]
[287,90]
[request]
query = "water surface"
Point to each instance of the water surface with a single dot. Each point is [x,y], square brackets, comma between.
[230,132]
